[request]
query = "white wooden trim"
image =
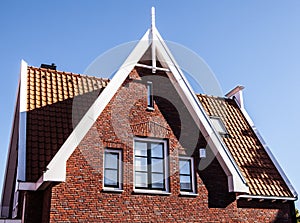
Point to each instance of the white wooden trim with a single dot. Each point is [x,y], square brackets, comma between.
[21,173]
[23,86]
[10,220]
[145,191]
[56,169]
[267,197]
[15,140]
[184,89]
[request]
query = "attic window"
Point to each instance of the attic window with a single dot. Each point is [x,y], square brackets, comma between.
[219,126]
[150,103]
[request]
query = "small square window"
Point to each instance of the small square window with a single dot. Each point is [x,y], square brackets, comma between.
[113,169]
[219,126]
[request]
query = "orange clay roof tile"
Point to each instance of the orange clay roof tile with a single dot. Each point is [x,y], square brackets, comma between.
[50,98]
[255,164]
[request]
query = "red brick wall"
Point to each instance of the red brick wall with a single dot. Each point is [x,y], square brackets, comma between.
[81,198]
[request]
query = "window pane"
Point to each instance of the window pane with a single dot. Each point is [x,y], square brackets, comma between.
[149,94]
[141,179]
[157,165]
[157,150]
[157,180]
[218,124]
[110,177]
[185,183]
[184,167]
[141,164]
[111,160]
[140,149]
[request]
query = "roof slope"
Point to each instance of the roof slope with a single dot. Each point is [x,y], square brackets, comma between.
[56,101]
[261,174]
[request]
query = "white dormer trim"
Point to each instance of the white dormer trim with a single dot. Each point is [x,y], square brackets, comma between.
[56,169]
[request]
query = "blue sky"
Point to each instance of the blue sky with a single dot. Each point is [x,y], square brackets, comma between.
[253,43]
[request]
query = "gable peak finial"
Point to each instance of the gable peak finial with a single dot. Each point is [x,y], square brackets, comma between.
[152,17]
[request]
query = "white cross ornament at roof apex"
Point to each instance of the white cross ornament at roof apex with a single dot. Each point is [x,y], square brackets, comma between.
[153,46]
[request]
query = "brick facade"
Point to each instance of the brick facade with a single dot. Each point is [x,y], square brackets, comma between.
[82,199]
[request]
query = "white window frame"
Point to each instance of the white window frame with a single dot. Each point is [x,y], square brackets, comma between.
[120,172]
[150,99]
[219,125]
[193,178]
[166,191]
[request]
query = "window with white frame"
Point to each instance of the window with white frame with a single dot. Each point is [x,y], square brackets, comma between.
[150,164]
[186,174]
[219,125]
[150,102]
[113,169]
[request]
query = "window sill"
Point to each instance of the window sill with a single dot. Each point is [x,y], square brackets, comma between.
[189,194]
[154,192]
[115,190]
[150,109]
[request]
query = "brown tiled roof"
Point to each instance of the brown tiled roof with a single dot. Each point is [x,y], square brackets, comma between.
[56,101]
[256,166]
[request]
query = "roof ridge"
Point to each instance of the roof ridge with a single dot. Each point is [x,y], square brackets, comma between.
[69,73]
[211,96]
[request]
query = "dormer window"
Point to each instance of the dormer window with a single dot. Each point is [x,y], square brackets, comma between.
[150,102]
[219,126]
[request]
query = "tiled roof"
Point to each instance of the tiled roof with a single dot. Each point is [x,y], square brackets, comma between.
[56,101]
[259,171]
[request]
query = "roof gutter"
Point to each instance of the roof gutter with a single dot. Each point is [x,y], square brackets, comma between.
[261,198]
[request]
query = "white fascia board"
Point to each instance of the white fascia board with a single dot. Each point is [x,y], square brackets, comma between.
[11,164]
[23,86]
[31,186]
[270,154]
[13,157]
[236,180]
[10,220]
[56,169]
[21,174]
[267,197]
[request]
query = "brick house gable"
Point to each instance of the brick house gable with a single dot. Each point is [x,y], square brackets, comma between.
[67,123]
[70,200]
[82,196]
